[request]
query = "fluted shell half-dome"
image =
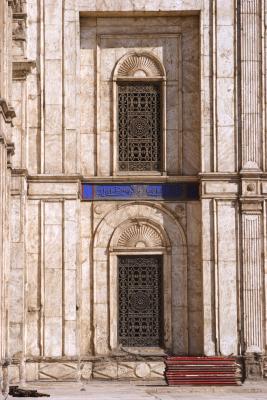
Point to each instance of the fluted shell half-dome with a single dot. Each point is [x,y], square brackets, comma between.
[140,235]
[139,65]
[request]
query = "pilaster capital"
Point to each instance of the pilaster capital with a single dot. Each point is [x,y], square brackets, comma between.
[22,68]
[251,205]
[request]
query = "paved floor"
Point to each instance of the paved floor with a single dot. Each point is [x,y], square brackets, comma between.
[110,390]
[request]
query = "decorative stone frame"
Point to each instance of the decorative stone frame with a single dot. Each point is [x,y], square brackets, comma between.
[107,245]
[152,247]
[133,67]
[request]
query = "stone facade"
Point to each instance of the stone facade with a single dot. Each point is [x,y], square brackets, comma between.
[7,114]
[60,65]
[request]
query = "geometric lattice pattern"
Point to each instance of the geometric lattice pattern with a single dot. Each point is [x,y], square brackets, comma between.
[58,372]
[140,298]
[128,370]
[139,123]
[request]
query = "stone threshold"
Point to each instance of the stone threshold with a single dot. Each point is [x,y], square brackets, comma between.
[153,386]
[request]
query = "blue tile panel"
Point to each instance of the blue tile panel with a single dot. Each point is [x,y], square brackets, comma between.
[185,191]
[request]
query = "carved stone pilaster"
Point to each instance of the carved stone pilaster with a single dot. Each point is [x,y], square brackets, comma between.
[252,280]
[252,277]
[250,74]
[250,69]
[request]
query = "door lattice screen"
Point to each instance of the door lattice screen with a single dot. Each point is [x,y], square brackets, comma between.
[139,127]
[140,299]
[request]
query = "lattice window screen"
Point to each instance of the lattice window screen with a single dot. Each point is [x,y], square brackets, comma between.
[139,127]
[140,300]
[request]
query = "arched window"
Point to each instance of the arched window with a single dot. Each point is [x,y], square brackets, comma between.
[139,84]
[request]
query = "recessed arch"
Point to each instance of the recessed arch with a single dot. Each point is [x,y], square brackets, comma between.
[174,251]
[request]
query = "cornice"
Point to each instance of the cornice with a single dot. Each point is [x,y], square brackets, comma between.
[19,172]
[118,179]
[48,178]
[255,174]
[228,186]
[19,15]
[246,186]
[7,111]
[140,179]
[214,176]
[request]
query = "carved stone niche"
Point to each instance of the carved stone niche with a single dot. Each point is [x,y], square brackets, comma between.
[254,366]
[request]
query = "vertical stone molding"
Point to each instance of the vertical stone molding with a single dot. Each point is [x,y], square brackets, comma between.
[7,114]
[250,85]
[252,282]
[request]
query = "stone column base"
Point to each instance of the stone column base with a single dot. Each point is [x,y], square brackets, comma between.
[5,377]
[254,366]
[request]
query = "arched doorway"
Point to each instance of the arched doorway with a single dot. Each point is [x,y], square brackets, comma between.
[143,230]
[140,297]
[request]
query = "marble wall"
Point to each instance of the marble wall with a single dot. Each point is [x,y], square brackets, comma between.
[7,115]
[62,310]
[103,42]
